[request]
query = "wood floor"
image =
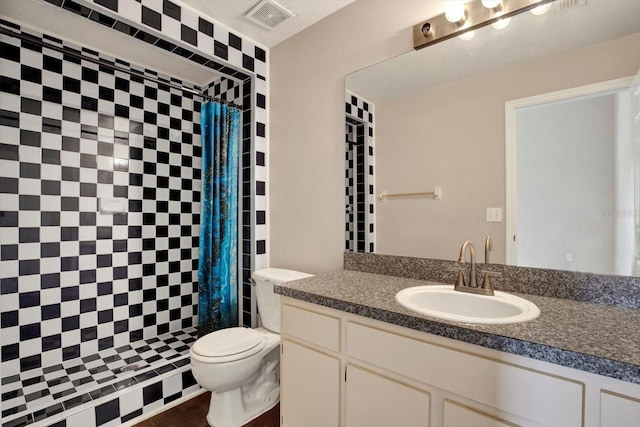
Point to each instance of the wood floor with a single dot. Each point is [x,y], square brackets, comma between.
[192,413]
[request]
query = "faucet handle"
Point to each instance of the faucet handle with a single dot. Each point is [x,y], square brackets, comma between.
[491,273]
[486,279]
[460,277]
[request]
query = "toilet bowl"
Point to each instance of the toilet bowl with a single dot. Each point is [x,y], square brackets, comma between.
[241,366]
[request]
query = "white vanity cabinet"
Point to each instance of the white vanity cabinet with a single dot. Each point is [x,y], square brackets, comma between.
[339,369]
[311,383]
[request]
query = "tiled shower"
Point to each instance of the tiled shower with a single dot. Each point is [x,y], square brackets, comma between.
[98,310]
[360,179]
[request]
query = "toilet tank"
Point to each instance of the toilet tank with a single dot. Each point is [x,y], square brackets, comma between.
[268,301]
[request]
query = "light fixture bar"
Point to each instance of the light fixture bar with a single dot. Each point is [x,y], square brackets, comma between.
[438,28]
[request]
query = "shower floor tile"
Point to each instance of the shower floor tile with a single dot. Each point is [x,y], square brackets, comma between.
[49,390]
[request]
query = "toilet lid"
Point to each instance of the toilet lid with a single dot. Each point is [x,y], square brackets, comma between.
[228,342]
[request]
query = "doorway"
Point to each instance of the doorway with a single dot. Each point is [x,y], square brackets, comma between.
[570,180]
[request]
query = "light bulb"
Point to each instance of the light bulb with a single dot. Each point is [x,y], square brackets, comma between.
[541,10]
[455,12]
[501,23]
[468,35]
[491,4]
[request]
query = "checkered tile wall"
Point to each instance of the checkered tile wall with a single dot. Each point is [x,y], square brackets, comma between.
[75,281]
[193,36]
[103,94]
[181,30]
[140,19]
[353,153]
[359,178]
[225,89]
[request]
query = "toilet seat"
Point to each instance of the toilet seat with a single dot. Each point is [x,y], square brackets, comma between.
[227,345]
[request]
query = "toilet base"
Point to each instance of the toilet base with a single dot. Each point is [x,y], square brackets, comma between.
[232,409]
[238,406]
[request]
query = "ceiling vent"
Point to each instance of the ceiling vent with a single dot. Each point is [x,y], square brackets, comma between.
[562,5]
[268,14]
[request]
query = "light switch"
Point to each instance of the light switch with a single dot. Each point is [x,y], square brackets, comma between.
[494,214]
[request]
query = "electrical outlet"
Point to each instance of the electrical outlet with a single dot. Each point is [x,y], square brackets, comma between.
[494,214]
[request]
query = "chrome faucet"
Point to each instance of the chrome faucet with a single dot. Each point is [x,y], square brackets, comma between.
[471,285]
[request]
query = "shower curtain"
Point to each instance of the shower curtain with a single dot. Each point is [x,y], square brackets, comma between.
[217,263]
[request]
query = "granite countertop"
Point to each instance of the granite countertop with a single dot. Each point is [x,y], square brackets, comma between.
[595,338]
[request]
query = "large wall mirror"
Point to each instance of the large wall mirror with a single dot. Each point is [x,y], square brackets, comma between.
[440,118]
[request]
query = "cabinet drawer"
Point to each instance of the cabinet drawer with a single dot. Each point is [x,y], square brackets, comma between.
[530,394]
[315,328]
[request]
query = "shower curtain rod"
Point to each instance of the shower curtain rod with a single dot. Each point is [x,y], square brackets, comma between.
[103,63]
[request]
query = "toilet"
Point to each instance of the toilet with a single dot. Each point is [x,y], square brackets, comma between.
[241,366]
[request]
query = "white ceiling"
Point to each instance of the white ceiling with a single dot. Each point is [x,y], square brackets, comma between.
[46,18]
[526,39]
[231,13]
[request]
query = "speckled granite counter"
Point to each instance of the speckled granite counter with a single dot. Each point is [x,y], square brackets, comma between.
[594,338]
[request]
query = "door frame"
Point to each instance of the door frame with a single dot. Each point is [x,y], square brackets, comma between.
[510,112]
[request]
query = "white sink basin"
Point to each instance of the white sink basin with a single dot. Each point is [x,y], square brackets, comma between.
[443,302]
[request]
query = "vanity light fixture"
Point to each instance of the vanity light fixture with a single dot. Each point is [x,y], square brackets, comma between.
[492,4]
[501,23]
[467,35]
[541,10]
[462,17]
[425,30]
[456,12]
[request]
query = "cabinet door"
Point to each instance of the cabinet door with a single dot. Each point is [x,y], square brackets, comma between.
[619,411]
[456,415]
[310,385]
[374,400]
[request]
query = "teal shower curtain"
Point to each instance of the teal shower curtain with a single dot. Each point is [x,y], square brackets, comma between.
[218,256]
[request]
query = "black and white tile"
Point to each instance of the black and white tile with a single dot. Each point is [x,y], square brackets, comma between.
[43,393]
[171,26]
[226,89]
[118,407]
[240,59]
[184,31]
[360,195]
[74,282]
